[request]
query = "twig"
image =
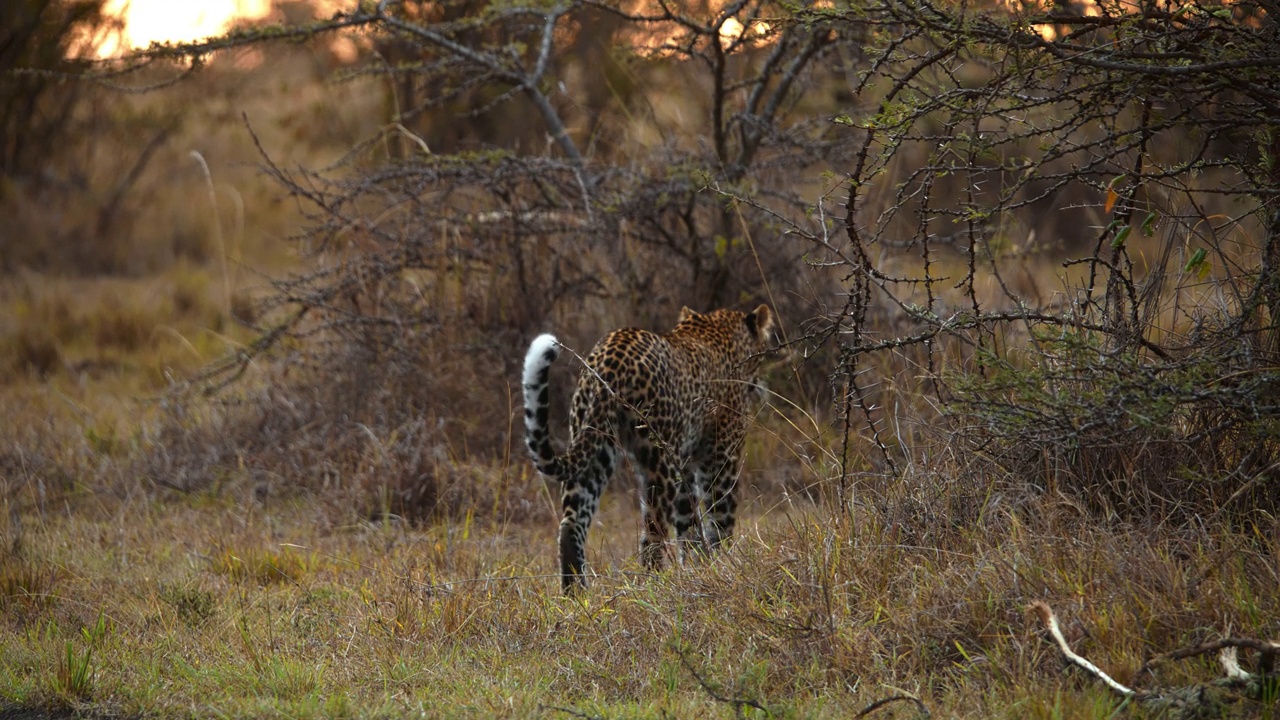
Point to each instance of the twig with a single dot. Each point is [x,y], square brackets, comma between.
[1190,701]
[570,711]
[1253,482]
[737,702]
[517,77]
[1266,661]
[1050,622]
[110,209]
[924,710]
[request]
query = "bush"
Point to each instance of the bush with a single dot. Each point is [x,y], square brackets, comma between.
[1138,374]
[1127,436]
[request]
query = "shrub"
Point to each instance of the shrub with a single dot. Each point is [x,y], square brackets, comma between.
[1126,433]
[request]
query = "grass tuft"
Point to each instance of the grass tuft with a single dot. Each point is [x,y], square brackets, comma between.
[34,349]
[121,327]
[263,567]
[73,679]
[193,605]
[25,585]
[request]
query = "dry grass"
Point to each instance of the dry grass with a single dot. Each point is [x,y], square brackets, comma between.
[225,604]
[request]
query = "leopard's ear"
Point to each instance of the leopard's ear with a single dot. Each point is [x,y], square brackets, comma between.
[685,314]
[760,323]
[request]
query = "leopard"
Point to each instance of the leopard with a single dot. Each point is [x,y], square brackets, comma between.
[678,404]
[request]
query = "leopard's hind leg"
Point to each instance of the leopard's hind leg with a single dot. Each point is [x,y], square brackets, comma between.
[589,464]
[659,472]
[721,470]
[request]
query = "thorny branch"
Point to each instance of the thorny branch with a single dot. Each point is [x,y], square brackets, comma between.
[1060,134]
[375,19]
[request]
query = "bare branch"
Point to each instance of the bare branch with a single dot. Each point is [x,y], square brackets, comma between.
[1050,622]
[882,702]
[736,702]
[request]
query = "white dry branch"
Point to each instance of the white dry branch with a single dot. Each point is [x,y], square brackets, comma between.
[1193,701]
[1050,622]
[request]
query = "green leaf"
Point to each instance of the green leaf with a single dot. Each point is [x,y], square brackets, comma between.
[1149,224]
[1118,241]
[1197,260]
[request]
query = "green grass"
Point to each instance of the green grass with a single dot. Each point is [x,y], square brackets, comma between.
[148,614]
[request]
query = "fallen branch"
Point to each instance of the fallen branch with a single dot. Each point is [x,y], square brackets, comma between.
[738,703]
[1200,700]
[1267,652]
[924,710]
[570,712]
[1050,622]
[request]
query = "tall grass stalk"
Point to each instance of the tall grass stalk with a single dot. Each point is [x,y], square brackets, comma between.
[217,230]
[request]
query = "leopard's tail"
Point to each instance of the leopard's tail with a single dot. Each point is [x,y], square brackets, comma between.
[537,367]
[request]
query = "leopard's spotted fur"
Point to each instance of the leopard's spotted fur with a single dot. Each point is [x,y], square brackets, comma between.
[679,404]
